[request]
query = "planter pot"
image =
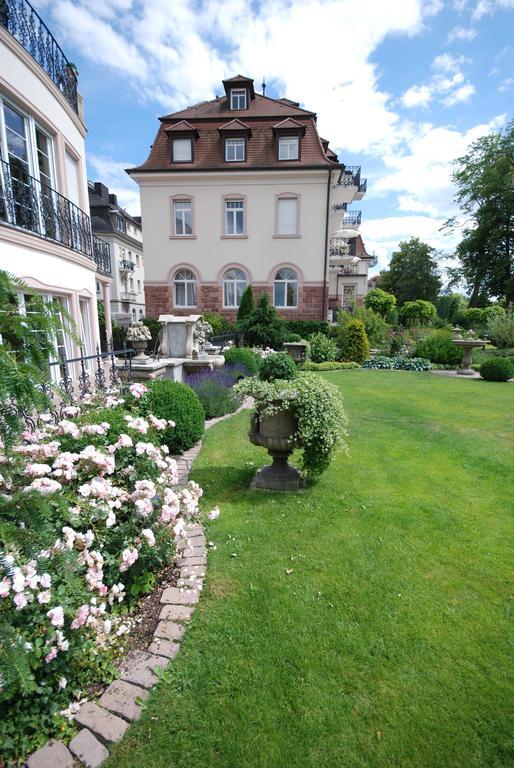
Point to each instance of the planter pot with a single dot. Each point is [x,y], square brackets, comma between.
[296,349]
[140,347]
[276,434]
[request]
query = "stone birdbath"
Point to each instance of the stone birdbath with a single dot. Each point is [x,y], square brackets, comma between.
[468,345]
[139,336]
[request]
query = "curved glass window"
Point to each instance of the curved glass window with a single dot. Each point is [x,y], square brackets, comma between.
[234,284]
[285,288]
[184,284]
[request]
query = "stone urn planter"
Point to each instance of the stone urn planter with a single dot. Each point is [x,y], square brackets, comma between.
[276,434]
[296,349]
[139,336]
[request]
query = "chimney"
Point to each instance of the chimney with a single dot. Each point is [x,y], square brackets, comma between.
[113,199]
[102,191]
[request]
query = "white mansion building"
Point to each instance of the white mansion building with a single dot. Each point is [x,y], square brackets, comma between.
[242,189]
[45,232]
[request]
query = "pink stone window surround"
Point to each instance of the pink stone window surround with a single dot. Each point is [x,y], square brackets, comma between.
[184,288]
[287,220]
[182,211]
[233,217]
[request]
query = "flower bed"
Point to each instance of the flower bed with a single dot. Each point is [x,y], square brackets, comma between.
[89,513]
[215,388]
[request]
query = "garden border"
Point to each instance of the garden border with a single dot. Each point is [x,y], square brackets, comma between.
[105,722]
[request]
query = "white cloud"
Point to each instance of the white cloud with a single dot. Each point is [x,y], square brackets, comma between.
[112,174]
[487,7]
[506,84]
[461,33]
[445,62]
[461,95]
[417,96]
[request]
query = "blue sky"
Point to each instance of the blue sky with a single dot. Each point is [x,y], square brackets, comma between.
[400,87]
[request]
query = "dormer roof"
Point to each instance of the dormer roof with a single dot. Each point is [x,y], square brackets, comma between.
[290,125]
[239,81]
[235,126]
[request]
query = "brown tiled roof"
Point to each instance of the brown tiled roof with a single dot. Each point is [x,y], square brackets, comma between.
[181,126]
[260,119]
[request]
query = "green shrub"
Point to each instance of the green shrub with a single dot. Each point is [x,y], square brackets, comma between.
[323,349]
[218,323]
[417,312]
[355,342]
[306,327]
[500,329]
[243,355]
[332,365]
[497,369]
[155,328]
[293,337]
[399,363]
[438,347]
[380,301]
[377,330]
[216,398]
[178,402]
[263,327]
[246,307]
[277,366]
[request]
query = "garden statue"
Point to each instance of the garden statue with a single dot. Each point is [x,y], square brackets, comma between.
[201,332]
[139,336]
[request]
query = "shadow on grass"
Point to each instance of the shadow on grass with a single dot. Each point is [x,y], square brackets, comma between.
[223,483]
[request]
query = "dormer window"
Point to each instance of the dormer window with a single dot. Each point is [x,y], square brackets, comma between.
[182,150]
[238,98]
[288,147]
[235,150]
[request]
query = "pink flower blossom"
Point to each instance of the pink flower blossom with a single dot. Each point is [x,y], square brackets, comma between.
[148,534]
[46,581]
[44,485]
[51,656]
[44,597]
[138,390]
[20,600]
[37,470]
[4,587]
[56,616]
[124,441]
[128,558]
[80,617]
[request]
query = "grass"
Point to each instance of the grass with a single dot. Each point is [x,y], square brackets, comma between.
[363,623]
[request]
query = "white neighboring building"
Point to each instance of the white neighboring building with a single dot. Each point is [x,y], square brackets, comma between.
[125,238]
[45,232]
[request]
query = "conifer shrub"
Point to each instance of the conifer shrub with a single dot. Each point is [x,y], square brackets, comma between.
[263,327]
[172,400]
[355,342]
[497,369]
[246,307]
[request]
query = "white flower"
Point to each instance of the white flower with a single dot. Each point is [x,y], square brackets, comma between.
[214,514]
[44,597]
[46,581]
[62,682]
[4,587]
[56,616]
[149,536]
[110,520]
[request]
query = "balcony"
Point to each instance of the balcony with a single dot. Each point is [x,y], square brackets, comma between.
[26,203]
[351,219]
[363,186]
[351,176]
[102,256]
[128,296]
[20,19]
[127,266]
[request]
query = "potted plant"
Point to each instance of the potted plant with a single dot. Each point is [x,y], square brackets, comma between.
[139,336]
[305,413]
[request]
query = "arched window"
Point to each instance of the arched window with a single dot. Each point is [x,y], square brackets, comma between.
[234,284]
[285,288]
[185,288]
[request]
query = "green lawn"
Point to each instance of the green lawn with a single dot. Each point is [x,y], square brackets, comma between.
[388,643]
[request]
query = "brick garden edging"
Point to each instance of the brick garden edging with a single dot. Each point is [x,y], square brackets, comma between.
[105,722]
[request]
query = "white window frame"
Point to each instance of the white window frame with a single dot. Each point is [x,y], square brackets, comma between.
[238,95]
[187,282]
[234,143]
[31,125]
[232,207]
[118,222]
[232,286]
[182,139]
[287,142]
[296,229]
[286,282]
[176,203]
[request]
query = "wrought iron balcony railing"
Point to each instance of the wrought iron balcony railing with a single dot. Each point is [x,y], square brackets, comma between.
[351,219]
[127,265]
[363,185]
[351,176]
[20,19]
[29,204]
[102,256]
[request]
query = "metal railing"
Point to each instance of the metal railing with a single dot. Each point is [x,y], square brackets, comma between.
[102,256]
[351,218]
[351,176]
[363,186]
[128,295]
[29,204]
[129,265]
[20,19]
[222,339]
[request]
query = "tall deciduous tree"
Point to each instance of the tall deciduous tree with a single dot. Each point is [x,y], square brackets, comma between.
[485,193]
[412,273]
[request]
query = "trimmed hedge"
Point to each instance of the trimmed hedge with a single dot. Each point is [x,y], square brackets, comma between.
[398,363]
[172,400]
[497,369]
[355,342]
[331,365]
[277,366]
[305,328]
[243,355]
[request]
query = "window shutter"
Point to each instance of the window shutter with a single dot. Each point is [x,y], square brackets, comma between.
[287,215]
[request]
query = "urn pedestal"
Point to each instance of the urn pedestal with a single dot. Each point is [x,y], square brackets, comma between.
[276,434]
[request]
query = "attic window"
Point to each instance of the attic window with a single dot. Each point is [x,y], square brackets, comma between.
[288,147]
[238,98]
[182,150]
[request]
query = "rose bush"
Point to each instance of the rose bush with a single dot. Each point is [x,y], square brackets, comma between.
[88,515]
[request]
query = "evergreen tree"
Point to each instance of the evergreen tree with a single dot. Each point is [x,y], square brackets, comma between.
[264,327]
[412,273]
[246,307]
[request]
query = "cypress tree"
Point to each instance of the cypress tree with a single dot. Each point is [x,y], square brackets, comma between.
[246,306]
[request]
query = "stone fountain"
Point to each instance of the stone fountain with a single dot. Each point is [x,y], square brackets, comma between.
[468,345]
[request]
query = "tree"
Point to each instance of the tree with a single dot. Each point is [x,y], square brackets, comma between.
[449,305]
[355,342]
[264,327]
[380,301]
[484,177]
[246,306]
[412,273]
[417,312]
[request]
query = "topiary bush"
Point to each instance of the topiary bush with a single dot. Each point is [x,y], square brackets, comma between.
[277,366]
[417,312]
[323,349]
[380,301]
[355,342]
[243,355]
[172,400]
[398,363]
[332,365]
[497,369]
[439,348]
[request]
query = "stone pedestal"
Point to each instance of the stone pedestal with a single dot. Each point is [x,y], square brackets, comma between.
[178,335]
[296,349]
[276,434]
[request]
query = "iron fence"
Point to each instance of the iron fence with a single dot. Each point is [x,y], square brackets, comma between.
[222,339]
[23,22]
